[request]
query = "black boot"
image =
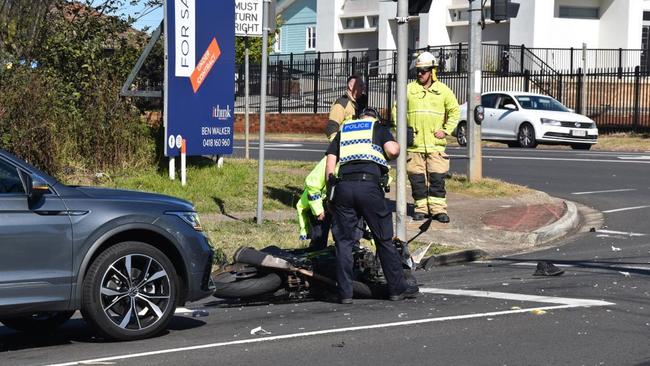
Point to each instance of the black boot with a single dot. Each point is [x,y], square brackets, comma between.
[441,217]
[418,216]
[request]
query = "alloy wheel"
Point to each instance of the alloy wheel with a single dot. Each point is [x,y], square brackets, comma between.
[461,134]
[135,292]
[527,136]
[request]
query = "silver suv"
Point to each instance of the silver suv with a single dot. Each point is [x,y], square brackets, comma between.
[125,259]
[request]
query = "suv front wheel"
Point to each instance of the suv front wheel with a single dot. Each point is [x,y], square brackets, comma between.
[130,291]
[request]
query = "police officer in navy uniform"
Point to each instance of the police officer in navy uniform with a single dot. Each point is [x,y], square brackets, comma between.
[363,148]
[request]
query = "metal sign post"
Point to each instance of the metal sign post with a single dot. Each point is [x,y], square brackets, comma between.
[475,166]
[402,73]
[246,101]
[260,176]
[248,23]
[199,62]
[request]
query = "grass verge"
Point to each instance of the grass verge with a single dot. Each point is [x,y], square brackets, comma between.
[233,189]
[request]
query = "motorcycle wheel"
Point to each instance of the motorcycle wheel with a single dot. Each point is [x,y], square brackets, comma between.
[228,287]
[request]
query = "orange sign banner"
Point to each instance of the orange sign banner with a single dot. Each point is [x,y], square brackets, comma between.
[204,66]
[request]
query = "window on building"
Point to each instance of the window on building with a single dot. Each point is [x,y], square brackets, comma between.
[352,23]
[311,39]
[373,21]
[277,46]
[459,15]
[576,12]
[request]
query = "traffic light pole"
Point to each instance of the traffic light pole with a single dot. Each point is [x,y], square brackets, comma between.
[402,71]
[475,165]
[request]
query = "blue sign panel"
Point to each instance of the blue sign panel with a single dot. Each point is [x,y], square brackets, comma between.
[200,76]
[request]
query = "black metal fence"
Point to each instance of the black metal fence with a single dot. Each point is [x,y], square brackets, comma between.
[617,97]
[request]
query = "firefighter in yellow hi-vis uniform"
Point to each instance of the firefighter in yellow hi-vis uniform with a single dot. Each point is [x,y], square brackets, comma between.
[432,114]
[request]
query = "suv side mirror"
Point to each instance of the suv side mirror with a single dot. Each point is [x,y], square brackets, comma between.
[510,106]
[35,187]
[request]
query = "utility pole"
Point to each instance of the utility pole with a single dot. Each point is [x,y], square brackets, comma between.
[402,73]
[475,165]
[260,161]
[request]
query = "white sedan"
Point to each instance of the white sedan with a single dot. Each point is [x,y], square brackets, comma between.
[527,119]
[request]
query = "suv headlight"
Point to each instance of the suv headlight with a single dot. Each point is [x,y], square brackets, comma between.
[190,217]
[552,122]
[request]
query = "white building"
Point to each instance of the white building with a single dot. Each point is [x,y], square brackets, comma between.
[601,24]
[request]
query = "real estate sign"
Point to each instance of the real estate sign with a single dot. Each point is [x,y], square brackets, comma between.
[199,91]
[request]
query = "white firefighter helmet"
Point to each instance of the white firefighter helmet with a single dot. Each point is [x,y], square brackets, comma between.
[426,60]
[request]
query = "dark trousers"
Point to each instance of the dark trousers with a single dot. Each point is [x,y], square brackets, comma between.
[319,231]
[354,200]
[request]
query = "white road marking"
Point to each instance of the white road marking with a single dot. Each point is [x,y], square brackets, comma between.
[625,209]
[633,161]
[628,233]
[607,191]
[563,159]
[628,157]
[518,297]
[562,303]
[281,149]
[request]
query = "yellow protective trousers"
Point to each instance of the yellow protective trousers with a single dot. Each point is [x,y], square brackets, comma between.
[427,172]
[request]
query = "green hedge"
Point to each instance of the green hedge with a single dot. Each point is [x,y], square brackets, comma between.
[50,124]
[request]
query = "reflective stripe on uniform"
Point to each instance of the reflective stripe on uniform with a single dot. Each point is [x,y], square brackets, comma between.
[441,201]
[356,143]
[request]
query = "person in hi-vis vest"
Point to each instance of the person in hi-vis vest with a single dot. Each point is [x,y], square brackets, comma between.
[432,114]
[362,148]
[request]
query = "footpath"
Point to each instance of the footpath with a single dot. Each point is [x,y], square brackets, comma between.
[486,227]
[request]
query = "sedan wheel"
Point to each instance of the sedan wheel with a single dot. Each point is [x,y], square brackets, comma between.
[130,291]
[461,134]
[526,136]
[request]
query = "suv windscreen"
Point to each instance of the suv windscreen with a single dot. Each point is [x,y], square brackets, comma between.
[9,179]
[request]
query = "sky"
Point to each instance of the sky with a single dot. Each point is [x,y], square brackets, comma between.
[151,18]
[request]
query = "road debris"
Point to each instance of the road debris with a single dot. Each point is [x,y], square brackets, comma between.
[538,311]
[339,345]
[615,249]
[259,331]
[546,268]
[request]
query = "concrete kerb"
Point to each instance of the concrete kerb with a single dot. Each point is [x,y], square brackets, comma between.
[559,228]
[555,230]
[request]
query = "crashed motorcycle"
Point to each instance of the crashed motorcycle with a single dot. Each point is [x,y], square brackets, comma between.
[303,274]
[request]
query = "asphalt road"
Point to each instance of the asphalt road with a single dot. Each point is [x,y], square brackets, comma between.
[485,313]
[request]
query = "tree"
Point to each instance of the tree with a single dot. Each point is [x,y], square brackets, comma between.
[255,45]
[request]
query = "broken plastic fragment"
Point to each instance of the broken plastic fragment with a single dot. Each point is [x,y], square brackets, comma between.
[626,274]
[615,249]
[538,311]
[200,313]
[258,331]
